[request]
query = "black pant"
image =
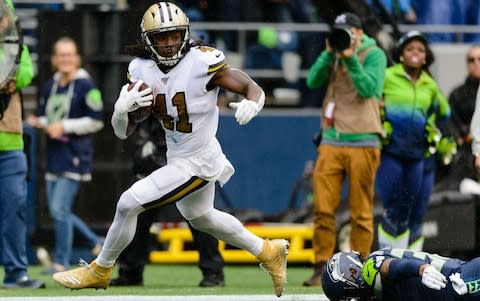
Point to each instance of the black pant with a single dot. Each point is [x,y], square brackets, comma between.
[133,259]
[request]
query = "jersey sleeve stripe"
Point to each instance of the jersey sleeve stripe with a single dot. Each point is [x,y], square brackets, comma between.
[193,184]
[217,67]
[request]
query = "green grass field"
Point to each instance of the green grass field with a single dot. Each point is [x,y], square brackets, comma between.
[172,280]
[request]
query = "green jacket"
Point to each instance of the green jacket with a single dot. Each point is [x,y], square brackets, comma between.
[367,79]
[10,5]
[408,106]
[23,76]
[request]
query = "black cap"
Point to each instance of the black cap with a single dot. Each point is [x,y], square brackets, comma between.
[412,35]
[347,20]
[405,39]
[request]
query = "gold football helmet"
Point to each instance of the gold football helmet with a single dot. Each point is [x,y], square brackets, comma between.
[163,17]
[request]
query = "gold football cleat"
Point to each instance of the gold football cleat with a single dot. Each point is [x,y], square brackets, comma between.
[86,276]
[273,259]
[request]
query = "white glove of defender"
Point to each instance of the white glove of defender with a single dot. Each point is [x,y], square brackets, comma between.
[458,284]
[433,279]
[129,101]
[247,109]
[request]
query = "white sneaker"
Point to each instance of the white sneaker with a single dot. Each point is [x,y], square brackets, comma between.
[44,258]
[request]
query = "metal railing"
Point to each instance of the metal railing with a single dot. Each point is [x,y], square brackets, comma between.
[70,4]
[242,29]
[67,2]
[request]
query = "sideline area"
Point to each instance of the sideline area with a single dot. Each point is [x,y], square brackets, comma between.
[287,297]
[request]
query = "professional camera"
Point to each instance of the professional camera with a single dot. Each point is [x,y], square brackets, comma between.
[340,38]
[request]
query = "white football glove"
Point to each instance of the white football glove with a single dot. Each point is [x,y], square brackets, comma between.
[433,279]
[458,284]
[247,109]
[129,101]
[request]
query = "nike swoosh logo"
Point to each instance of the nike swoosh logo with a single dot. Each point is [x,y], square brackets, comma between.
[217,55]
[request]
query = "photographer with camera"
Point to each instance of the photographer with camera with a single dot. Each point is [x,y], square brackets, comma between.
[353,67]
[13,162]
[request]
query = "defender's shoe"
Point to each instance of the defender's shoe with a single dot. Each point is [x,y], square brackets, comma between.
[315,279]
[212,280]
[86,276]
[273,259]
[25,282]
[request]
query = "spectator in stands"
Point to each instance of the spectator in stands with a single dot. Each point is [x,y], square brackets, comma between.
[71,111]
[350,145]
[447,12]
[13,165]
[139,5]
[401,11]
[411,100]
[149,156]
[195,11]
[232,11]
[470,11]
[475,129]
[265,55]
[462,102]
[433,12]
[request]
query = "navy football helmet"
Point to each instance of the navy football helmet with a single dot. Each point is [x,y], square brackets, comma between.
[342,278]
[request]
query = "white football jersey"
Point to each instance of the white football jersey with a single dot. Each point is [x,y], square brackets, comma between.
[189,112]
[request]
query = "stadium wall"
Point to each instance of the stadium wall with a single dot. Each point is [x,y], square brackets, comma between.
[269,155]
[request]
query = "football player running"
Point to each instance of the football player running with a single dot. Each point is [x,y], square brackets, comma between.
[185,79]
[400,275]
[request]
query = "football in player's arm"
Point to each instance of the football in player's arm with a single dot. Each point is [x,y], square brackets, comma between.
[183,82]
[216,71]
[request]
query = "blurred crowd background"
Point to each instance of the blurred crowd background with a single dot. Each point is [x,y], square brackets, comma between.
[275,41]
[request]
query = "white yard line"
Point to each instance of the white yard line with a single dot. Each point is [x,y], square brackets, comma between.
[310,297]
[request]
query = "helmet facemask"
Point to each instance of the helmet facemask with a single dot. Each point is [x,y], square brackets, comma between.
[161,18]
[348,271]
[168,55]
[342,277]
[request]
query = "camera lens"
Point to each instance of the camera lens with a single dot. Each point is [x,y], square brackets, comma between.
[340,39]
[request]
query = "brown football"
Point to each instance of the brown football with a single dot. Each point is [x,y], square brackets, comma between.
[141,113]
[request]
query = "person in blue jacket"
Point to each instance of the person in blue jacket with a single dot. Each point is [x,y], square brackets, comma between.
[411,100]
[71,111]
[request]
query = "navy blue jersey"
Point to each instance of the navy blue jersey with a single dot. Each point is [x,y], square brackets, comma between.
[79,98]
[411,288]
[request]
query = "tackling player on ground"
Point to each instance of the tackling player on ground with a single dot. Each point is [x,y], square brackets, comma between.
[185,80]
[400,275]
